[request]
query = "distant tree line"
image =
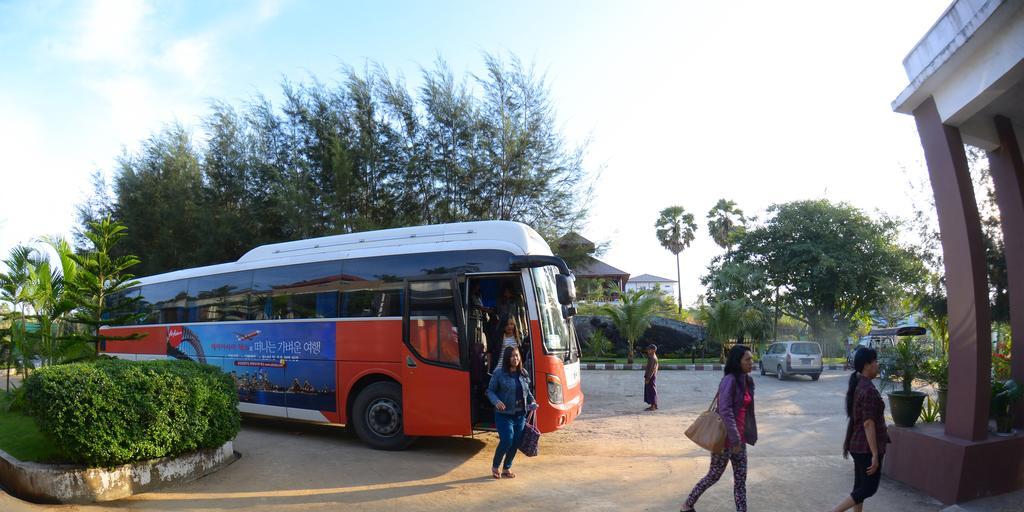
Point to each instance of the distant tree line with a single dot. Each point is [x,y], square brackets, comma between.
[364,153]
[824,265]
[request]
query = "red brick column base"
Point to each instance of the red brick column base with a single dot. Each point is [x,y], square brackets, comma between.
[951,469]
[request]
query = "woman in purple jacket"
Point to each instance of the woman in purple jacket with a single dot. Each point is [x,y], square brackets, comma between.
[736,407]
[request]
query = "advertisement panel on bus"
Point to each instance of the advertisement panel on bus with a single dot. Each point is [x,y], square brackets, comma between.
[278,364]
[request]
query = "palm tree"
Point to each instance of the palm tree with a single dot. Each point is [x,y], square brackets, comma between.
[722,319]
[735,319]
[632,316]
[54,302]
[40,289]
[755,324]
[14,289]
[46,286]
[6,331]
[675,230]
[596,290]
[725,221]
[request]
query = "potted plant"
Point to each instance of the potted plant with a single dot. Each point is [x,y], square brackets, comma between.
[937,372]
[903,363]
[1004,395]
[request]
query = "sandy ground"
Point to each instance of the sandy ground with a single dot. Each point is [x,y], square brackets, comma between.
[615,457]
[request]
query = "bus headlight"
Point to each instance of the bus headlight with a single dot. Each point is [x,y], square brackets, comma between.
[554,389]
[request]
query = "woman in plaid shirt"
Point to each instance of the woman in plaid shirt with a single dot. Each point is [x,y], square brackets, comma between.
[866,435]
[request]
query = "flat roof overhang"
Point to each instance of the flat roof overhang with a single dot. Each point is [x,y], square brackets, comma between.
[972,63]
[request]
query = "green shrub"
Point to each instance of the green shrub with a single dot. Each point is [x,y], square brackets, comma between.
[599,344]
[104,413]
[930,411]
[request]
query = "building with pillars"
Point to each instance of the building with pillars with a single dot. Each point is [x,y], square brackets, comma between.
[967,87]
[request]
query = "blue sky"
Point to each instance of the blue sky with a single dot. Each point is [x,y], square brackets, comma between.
[683,102]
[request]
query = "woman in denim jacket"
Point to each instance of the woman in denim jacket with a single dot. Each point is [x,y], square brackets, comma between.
[736,408]
[509,391]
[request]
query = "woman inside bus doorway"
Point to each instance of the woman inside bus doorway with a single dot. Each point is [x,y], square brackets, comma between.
[508,337]
[510,305]
[509,391]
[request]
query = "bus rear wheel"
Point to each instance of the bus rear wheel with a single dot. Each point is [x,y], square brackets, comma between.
[377,417]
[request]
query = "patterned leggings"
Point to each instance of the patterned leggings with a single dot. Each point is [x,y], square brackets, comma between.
[739,476]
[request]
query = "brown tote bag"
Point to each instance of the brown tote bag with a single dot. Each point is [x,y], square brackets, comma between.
[708,431]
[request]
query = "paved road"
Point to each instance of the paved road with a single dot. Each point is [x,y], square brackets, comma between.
[615,457]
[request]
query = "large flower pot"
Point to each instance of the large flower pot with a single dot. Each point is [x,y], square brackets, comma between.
[906,407]
[1004,424]
[942,404]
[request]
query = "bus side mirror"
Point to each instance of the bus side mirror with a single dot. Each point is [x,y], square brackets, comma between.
[566,286]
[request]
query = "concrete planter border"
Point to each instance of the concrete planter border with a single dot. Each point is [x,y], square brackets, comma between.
[61,483]
[685,367]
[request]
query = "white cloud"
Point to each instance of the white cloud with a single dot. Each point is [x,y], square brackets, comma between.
[141,75]
[30,207]
[111,32]
[268,9]
[187,57]
[129,73]
[132,105]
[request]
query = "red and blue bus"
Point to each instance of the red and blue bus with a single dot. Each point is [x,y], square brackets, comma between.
[385,331]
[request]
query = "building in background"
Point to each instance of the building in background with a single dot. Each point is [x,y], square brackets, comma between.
[595,279]
[651,282]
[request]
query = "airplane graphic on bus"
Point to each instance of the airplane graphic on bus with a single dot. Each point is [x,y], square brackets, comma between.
[246,336]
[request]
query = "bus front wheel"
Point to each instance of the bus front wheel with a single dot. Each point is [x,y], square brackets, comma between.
[377,417]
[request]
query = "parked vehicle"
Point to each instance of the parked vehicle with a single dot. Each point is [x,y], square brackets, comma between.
[785,358]
[371,330]
[883,339]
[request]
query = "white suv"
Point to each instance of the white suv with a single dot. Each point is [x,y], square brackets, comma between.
[786,358]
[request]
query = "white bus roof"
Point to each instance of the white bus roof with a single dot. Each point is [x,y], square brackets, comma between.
[513,237]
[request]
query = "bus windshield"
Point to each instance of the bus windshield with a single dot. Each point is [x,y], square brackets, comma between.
[554,330]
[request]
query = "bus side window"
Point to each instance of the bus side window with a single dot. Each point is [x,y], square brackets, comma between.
[327,304]
[433,332]
[356,303]
[388,302]
[372,303]
[308,290]
[219,298]
[117,305]
[311,305]
[372,287]
[164,303]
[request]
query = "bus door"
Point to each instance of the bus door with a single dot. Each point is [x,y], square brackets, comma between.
[485,308]
[435,383]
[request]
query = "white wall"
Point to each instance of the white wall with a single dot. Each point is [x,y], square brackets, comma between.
[666,288]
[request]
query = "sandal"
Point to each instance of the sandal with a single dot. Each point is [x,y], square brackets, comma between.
[508,474]
[495,474]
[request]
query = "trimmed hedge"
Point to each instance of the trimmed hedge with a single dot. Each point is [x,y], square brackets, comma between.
[109,412]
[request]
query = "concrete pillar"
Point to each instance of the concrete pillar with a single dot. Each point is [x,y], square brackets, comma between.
[970,348]
[1007,169]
